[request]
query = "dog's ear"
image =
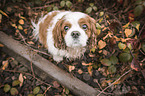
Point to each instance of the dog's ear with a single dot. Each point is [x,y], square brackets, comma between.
[58,35]
[93,32]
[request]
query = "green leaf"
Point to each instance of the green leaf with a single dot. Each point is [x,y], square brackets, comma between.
[138,10]
[101,13]
[49,9]
[55,8]
[14,91]
[7,87]
[66,91]
[124,57]
[68,4]
[114,59]
[143,46]
[136,24]
[89,10]
[98,26]
[91,4]
[121,45]
[15,82]
[39,95]
[62,3]
[106,62]
[112,69]
[95,8]
[36,90]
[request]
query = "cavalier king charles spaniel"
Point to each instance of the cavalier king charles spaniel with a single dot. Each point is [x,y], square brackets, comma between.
[66,33]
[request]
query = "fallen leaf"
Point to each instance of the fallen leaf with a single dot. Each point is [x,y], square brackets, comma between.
[21,79]
[20,27]
[5,64]
[56,84]
[1,45]
[80,71]
[135,65]
[15,82]
[36,90]
[90,70]
[101,44]
[7,87]
[128,32]
[86,64]
[121,45]
[14,91]
[124,57]
[126,26]
[106,62]
[71,68]
[21,21]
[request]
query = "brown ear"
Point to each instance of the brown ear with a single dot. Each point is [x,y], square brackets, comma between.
[93,30]
[58,35]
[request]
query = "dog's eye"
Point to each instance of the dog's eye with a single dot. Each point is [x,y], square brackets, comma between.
[85,27]
[66,28]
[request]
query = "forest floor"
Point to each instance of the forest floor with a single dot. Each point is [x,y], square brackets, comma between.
[118,59]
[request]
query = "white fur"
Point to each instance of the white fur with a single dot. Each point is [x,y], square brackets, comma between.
[75,48]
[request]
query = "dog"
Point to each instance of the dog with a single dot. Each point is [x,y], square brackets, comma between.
[66,33]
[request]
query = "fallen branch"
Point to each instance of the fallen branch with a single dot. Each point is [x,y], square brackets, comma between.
[28,55]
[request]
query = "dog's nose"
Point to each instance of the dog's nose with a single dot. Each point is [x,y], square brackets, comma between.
[75,34]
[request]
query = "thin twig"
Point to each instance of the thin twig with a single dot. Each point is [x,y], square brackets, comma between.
[47,90]
[141,30]
[114,82]
[32,70]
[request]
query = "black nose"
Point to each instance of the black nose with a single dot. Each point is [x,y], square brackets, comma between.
[75,34]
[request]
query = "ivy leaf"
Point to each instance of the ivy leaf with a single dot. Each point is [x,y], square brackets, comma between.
[112,69]
[121,45]
[7,87]
[36,90]
[128,32]
[68,4]
[62,3]
[15,82]
[101,13]
[106,62]
[135,65]
[124,57]
[138,10]
[113,59]
[95,8]
[14,91]
[136,24]
[89,10]
[21,21]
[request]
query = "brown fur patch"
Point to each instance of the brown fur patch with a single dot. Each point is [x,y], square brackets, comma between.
[43,26]
[91,31]
[59,33]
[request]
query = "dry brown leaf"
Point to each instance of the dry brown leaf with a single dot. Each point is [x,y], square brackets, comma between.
[101,44]
[71,68]
[90,70]
[1,45]
[80,71]
[86,64]
[5,64]
[21,21]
